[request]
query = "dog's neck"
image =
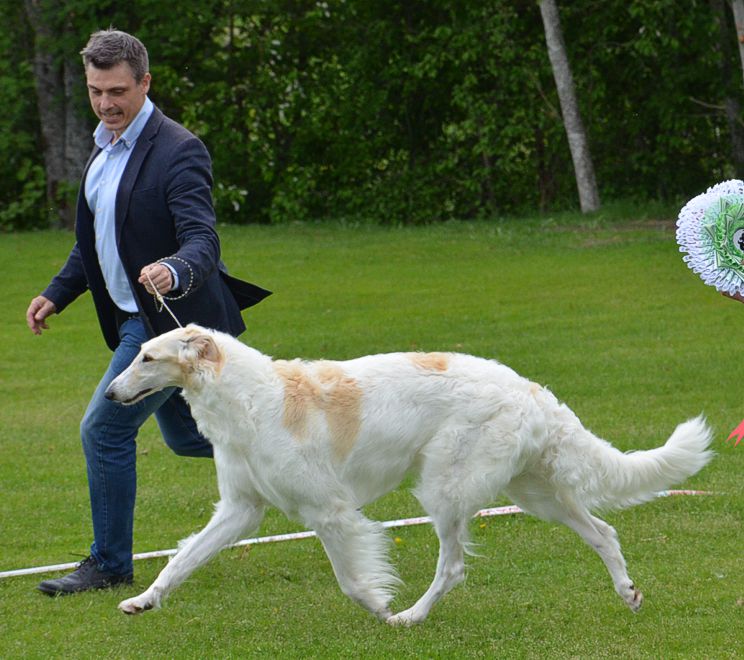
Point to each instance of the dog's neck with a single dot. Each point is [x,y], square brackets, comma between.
[218,395]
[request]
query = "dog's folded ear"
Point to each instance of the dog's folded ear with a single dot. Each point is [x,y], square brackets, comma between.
[201,348]
[206,348]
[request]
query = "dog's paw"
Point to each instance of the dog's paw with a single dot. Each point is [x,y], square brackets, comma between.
[398,621]
[136,605]
[637,601]
[404,619]
[633,598]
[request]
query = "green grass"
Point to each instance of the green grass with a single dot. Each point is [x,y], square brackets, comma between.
[602,311]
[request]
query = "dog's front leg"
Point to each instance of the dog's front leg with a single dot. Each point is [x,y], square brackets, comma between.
[357,548]
[230,520]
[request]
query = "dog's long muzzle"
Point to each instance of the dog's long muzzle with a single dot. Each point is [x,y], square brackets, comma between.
[112,395]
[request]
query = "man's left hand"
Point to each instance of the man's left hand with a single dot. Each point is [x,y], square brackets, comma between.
[158,275]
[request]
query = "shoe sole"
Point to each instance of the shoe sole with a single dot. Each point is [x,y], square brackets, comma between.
[51,591]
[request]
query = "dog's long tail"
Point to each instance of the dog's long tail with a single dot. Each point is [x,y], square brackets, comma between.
[612,479]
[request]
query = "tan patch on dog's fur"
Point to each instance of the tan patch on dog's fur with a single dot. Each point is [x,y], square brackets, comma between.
[325,388]
[430,361]
[296,396]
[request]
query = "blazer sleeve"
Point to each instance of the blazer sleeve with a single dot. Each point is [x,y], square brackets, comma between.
[189,199]
[69,283]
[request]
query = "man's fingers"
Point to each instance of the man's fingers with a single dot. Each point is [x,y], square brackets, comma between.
[156,276]
[31,318]
[39,309]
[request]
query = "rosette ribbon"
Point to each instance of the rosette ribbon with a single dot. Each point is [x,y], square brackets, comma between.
[710,230]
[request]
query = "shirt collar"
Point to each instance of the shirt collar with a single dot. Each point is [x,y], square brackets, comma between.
[102,136]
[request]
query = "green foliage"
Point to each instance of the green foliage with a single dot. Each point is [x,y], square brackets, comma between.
[405,113]
[653,130]
[600,308]
[22,180]
[27,199]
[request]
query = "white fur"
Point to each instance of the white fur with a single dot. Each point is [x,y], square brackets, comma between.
[469,428]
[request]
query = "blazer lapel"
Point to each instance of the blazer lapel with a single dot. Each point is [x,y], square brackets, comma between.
[96,150]
[84,229]
[132,169]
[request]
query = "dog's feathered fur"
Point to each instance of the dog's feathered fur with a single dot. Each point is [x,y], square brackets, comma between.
[319,440]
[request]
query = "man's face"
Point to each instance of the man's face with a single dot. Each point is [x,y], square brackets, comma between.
[116,97]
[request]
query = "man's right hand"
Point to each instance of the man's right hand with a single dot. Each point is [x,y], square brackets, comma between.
[39,309]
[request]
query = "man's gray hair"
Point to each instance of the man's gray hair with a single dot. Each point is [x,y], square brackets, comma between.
[107,48]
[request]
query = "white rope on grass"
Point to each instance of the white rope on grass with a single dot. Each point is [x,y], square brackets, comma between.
[295,536]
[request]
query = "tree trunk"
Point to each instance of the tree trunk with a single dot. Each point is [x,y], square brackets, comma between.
[78,130]
[729,85]
[65,132]
[577,139]
[733,107]
[737,6]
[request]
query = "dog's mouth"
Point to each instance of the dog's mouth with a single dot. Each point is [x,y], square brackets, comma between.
[140,395]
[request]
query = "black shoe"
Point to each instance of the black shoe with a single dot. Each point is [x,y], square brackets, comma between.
[87,576]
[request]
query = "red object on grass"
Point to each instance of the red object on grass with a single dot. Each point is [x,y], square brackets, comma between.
[738,433]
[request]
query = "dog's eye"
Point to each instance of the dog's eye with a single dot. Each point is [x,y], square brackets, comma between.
[146,358]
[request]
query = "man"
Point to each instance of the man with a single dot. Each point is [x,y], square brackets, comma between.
[145,221]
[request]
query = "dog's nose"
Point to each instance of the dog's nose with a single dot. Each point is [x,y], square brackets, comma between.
[109,393]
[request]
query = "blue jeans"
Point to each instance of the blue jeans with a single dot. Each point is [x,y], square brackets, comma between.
[109,432]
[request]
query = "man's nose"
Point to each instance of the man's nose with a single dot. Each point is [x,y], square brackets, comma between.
[106,102]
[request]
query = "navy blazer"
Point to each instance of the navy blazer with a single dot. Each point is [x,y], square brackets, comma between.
[163,212]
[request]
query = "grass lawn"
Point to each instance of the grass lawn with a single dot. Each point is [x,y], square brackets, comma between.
[603,312]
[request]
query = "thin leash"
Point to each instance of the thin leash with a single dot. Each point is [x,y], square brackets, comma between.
[159,300]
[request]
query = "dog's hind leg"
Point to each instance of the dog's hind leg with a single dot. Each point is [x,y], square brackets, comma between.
[603,538]
[451,528]
[230,520]
[358,550]
[594,531]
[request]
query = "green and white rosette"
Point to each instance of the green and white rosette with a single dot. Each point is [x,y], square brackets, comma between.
[710,229]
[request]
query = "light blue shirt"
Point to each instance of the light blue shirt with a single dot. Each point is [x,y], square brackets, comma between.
[101,185]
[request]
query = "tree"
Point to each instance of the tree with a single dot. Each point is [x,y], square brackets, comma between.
[387,111]
[22,181]
[577,139]
[730,88]
[64,127]
[737,6]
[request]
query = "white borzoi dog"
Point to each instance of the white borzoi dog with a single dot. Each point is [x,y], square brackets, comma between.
[319,440]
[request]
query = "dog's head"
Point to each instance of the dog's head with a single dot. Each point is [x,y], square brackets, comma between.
[186,357]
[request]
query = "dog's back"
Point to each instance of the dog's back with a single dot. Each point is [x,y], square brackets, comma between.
[373,418]
[470,426]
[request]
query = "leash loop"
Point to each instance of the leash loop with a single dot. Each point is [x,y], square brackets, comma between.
[160,301]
